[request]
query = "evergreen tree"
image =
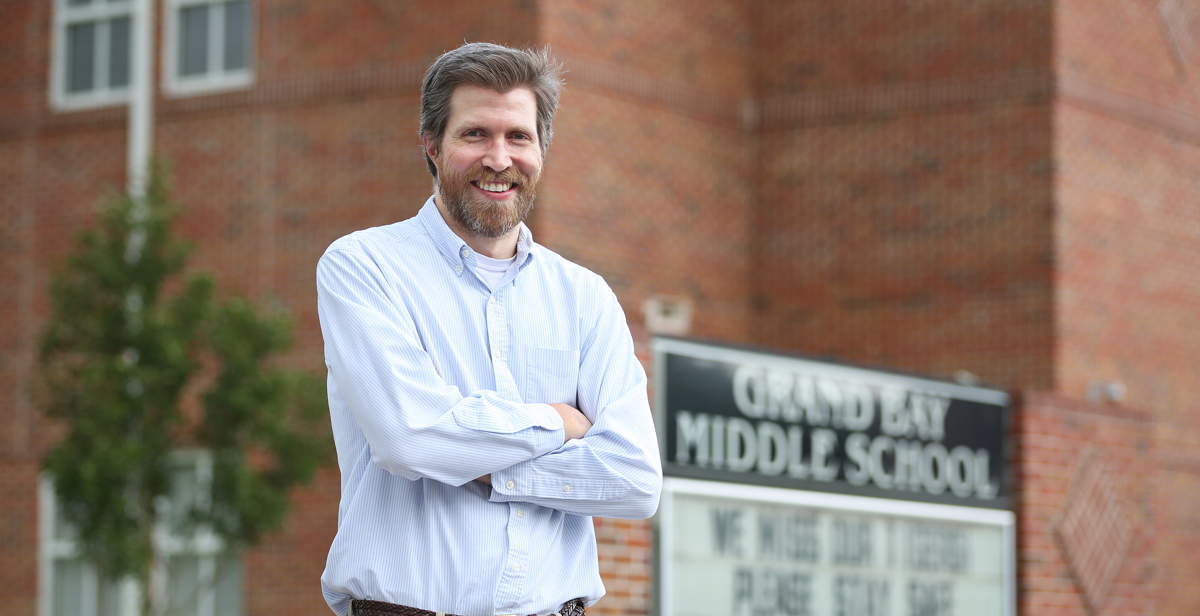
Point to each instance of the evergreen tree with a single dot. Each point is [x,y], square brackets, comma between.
[118,358]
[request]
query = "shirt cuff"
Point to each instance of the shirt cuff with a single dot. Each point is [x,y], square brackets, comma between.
[518,483]
[551,436]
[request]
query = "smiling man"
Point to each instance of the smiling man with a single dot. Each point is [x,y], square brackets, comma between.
[484,392]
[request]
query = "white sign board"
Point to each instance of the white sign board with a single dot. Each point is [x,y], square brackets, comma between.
[759,551]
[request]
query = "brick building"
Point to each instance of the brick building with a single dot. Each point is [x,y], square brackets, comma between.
[1002,187]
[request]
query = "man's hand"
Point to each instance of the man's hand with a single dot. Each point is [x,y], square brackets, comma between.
[575,424]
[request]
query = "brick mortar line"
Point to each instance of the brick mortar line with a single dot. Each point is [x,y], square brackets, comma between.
[1027,402]
[1179,462]
[775,112]
[1080,92]
[858,104]
[647,88]
[781,111]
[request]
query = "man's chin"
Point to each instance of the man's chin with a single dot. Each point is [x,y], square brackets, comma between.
[483,221]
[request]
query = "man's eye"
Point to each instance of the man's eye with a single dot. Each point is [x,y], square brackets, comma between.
[521,136]
[474,133]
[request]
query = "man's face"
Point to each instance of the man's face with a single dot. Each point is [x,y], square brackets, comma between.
[489,162]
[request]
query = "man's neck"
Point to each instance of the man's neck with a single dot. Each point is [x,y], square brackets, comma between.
[501,247]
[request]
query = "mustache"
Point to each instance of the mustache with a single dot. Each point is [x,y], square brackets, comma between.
[510,175]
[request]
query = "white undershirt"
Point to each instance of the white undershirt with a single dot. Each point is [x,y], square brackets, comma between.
[492,270]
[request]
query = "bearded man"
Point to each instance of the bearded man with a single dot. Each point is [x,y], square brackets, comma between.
[484,392]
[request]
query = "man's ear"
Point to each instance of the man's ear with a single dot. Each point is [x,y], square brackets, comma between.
[430,145]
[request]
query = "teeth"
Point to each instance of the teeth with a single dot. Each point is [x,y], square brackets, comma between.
[494,186]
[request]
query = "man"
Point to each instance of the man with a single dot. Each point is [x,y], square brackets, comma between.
[484,393]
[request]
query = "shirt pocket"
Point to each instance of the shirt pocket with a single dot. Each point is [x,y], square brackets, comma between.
[551,375]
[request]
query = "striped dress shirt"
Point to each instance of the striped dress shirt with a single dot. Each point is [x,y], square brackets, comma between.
[435,380]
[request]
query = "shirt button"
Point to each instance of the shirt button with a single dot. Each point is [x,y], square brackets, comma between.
[510,485]
[492,299]
[458,268]
[520,514]
[465,251]
[516,566]
[566,488]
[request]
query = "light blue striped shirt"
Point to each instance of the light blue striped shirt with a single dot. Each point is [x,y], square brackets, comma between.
[436,380]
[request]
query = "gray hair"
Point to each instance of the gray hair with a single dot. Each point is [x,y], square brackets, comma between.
[495,67]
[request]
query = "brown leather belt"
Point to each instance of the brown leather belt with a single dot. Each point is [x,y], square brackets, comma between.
[360,607]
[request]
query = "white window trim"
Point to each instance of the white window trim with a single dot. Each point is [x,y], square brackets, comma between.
[64,16]
[204,543]
[50,548]
[174,85]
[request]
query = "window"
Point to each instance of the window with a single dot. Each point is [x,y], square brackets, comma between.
[92,49]
[203,577]
[208,45]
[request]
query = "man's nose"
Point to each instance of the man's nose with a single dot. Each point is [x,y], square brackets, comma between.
[497,157]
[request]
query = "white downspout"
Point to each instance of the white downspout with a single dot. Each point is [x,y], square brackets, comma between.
[141,98]
[138,151]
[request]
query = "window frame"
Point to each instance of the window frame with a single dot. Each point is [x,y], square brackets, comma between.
[211,81]
[202,543]
[100,12]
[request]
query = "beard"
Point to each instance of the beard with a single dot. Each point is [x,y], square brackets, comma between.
[479,215]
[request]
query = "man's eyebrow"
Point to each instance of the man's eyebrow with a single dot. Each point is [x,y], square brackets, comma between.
[525,129]
[477,126]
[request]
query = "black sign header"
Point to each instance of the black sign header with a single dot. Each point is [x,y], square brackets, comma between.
[730,414]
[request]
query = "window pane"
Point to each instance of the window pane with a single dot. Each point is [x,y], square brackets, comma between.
[118,54]
[109,601]
[228,584]
[193,53]
[62,529]
[81,49]
[236,28]
[68,588]
[185,495]
[183,585]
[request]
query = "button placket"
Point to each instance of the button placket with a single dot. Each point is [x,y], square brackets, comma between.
[497,325]
[514,578]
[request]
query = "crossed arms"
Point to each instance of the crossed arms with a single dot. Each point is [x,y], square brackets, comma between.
[599,459]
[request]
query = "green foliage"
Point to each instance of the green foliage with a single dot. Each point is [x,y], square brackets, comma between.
[116,361]
[253,409]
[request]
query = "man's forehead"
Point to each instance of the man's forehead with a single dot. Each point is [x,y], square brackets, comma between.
[469,100]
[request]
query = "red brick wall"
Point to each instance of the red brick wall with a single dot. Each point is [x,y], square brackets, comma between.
[920,242]
[1129,246]
[18,536]
[1127,46]
[1127,147]
[1055,435]
[829,45]
[905,181]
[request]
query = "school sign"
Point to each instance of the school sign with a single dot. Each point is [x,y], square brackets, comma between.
[798,487]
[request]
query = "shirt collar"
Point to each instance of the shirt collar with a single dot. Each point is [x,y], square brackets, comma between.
[456,252]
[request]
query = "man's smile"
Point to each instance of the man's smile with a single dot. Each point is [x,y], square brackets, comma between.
[494,188]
